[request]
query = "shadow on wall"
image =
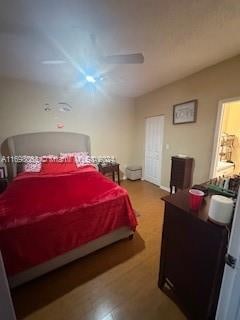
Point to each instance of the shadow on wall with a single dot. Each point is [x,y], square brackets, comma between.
[44,290]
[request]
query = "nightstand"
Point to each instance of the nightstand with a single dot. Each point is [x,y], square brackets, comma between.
[3,184]
[110,168]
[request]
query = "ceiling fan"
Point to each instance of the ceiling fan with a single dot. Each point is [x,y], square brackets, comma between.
[134,58]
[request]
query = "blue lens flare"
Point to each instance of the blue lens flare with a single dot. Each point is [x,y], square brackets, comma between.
[90,79]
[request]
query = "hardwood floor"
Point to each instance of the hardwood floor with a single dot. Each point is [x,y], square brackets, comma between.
[116,283]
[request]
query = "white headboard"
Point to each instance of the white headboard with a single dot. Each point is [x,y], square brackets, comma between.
[42,143]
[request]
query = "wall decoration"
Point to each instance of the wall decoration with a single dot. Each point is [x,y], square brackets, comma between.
[47,107]
[61,106]
[64,107]
[185,112]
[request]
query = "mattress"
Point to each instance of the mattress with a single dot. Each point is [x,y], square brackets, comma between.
[44,216]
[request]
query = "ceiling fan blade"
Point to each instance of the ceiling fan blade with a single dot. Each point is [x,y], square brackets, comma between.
[53,62]
[134,58]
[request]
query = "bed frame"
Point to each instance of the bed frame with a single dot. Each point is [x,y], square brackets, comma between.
[43,143]
[41,269]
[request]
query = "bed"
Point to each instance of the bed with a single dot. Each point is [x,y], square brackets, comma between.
[48,220]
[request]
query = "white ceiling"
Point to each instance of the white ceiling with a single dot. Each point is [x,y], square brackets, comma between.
[177,37]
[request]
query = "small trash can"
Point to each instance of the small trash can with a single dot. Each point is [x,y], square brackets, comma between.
[134,172]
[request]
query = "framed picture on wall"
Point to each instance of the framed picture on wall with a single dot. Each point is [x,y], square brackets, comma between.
[185,112]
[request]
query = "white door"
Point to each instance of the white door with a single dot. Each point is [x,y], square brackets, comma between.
[153,149]
[229,301]
[6,306]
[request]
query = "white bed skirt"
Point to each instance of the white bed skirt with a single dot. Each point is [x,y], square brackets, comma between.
[70,256]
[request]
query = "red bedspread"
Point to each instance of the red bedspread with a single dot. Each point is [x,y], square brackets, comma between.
[42,216]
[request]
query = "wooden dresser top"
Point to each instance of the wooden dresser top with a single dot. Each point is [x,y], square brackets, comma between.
[181,201]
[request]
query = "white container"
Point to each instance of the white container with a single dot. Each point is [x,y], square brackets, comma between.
[220,209]
[134,172]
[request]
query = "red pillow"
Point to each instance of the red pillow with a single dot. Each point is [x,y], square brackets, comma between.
[52,167]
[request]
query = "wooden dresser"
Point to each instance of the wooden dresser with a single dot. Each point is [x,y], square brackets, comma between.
[192,257]
[181,173]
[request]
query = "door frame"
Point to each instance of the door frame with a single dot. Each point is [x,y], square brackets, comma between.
[229,299]
[161,147]
[216,139]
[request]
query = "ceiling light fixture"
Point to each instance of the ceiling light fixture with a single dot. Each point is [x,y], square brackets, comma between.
[90,79]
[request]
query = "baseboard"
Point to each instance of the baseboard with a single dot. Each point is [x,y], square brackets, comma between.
[165,188]
[161,187]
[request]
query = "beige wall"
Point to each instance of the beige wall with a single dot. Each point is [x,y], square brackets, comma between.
[231,125]
[113,125]
[208,86]
[108,120]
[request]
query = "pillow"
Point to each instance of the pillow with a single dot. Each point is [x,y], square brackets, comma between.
[32,167]
[34,163]
[48,157]
[31,164]
[53,166]
[81,158]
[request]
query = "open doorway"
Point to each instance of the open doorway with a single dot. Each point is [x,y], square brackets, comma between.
[226,155]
